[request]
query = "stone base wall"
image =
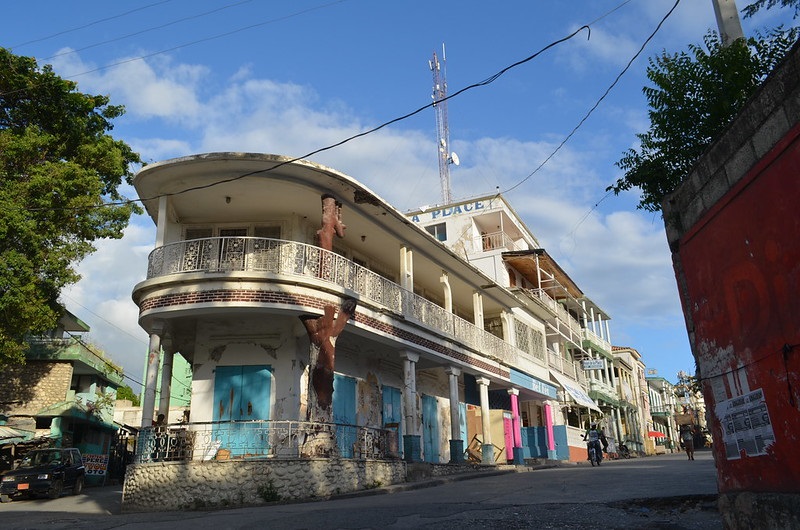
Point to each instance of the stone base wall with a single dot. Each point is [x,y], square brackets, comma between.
[163,486]
[747,510]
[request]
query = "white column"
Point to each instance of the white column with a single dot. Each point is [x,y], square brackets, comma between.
[410,392]
[161,225]
[406,268]
[153,356]
[487,449]
[730,28]
[448,292]
[455,414]
[166,381]
[477,308]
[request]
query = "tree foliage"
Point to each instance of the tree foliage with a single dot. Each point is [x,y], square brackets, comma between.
[751,9]
[126,392]
[694,96]
[60,172]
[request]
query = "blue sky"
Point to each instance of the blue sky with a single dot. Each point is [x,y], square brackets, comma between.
[291,77]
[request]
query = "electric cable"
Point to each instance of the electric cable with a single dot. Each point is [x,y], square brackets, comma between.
[591,110]
[147,30]
[483,83]
[95,22]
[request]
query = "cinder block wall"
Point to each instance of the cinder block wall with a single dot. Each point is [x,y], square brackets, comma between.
[35,385]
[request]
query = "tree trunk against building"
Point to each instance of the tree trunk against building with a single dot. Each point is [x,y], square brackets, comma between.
[322,332]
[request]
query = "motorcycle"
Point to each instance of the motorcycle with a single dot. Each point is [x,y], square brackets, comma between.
[595,452]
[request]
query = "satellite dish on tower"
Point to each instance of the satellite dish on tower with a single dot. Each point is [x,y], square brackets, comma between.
[454,159]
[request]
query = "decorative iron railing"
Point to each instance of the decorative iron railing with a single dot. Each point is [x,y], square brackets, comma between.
[281,257]
[263,439]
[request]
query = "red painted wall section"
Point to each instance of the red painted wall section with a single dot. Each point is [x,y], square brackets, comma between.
[741,265]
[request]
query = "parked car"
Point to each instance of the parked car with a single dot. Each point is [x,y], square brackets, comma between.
[44,472]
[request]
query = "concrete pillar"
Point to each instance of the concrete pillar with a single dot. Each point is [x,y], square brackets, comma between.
[161,224]
[487,449]
[412,449]
[456,443]
[477,309]
[166,382]
[516,427]
[406,268]
[549,422]
[151,377]
[447,292]
[730,28]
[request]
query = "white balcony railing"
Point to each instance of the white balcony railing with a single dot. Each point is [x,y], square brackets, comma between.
[496,241]
[280,257]
[560,311]
[597,339]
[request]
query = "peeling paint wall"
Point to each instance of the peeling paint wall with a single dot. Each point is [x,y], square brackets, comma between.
[733,229]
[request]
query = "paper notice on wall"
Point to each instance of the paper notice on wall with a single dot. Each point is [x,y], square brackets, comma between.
[746,426]
[95,464]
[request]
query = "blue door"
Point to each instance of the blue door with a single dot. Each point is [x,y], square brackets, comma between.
[242,393]
[430,428]
[393,416]
[344,413]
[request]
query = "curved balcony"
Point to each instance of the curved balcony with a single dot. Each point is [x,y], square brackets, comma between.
[290,258]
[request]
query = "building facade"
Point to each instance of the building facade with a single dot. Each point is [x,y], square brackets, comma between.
[467,350]
[62,396]
[663,407]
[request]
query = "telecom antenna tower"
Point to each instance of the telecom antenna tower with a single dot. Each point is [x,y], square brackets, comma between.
[446,157]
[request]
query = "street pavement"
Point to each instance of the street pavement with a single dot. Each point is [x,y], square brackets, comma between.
[659,492]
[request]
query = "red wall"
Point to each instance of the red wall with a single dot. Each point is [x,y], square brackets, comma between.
[741,264]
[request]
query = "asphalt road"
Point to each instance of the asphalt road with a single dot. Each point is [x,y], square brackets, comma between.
[661,492]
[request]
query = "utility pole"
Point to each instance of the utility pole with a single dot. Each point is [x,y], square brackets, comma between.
[730,28]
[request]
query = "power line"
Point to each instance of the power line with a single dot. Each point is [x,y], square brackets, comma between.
[120,329]
[185,45]
[206,39]
[104,319]
[147,30]
[93,23]
[613,84]
[483,83]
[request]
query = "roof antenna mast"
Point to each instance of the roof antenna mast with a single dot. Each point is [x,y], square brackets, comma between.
[446,157]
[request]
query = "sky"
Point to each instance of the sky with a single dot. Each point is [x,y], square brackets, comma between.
[295,77]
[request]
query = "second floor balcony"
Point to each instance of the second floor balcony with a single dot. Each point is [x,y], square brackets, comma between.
[279,258]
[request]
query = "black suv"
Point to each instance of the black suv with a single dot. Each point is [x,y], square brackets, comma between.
[44,472]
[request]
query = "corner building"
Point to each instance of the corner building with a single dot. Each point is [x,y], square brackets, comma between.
[444,335]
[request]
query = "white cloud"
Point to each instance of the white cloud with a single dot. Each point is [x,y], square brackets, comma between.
[102,298]
[149,88]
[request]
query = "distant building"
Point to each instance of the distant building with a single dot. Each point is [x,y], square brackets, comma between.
[663,406]
[63,395]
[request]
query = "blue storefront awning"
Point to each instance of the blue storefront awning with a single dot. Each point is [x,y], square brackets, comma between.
[529,382]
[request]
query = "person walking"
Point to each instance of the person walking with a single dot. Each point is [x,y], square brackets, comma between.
[687,437]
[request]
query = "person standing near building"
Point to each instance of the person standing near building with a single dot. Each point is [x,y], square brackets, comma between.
[687,437]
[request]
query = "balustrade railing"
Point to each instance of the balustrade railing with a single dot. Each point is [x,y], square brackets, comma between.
[263,439]
[276,256]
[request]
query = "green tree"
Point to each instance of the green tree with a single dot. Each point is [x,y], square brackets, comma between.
[126,392]
[60,172]
[695,96]
[751,9]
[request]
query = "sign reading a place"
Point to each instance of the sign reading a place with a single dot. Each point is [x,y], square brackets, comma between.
[593,364]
